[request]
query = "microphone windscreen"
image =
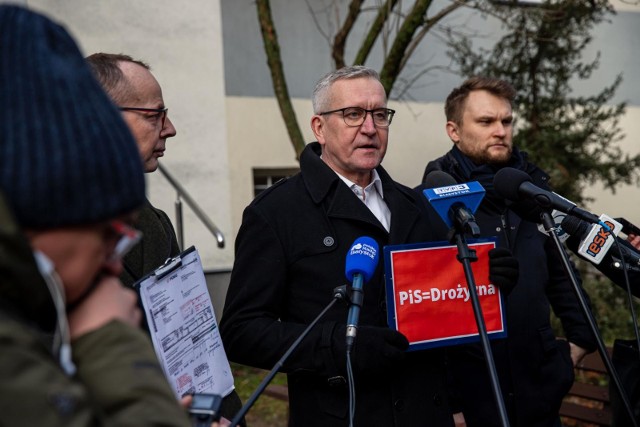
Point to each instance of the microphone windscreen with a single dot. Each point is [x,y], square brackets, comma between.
[362,258]
[437,179]
[574,226]
[507,182]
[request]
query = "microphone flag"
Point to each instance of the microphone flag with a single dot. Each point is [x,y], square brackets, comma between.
[468,194]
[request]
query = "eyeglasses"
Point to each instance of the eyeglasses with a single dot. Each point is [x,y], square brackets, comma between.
[355,116]
[127,237]
[161,113]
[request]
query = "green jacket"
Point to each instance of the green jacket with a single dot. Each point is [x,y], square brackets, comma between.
[118,381]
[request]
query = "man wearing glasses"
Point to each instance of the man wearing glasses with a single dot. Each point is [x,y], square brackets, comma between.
[137,93]
[290,255]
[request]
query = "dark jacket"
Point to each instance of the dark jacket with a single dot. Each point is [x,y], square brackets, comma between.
[534,368]
[289,256]
[158,243]
[118,379]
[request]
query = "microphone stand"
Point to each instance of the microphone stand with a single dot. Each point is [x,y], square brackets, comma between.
[550,227]
[339,293]
[466,256]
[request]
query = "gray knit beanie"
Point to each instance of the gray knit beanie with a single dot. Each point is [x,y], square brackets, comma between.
[66,155]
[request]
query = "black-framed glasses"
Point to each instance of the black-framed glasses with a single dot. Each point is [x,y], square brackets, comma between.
[161,112]
[355,116]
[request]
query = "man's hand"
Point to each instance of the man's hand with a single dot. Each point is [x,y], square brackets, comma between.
[458,420]
[634,240]
[503,269]
[186,401]
[577,353]
[109,300]
[376,349]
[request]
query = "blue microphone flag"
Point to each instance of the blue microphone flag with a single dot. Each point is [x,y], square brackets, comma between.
[468,194]
[362,258]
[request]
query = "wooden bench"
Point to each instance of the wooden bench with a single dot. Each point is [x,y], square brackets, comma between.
[587,403]
[277,391]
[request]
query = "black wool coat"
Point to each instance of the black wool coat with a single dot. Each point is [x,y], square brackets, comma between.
[289,256]
[534,368]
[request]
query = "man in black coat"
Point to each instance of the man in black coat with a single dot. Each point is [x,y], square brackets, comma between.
[534,368]
[290,255]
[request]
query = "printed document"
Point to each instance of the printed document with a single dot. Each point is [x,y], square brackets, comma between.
[183,327]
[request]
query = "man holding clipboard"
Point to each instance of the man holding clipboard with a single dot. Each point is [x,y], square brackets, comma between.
[138,94]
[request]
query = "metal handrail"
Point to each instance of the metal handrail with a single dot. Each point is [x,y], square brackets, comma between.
[182,193]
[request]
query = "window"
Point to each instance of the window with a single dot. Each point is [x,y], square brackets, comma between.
[264,178]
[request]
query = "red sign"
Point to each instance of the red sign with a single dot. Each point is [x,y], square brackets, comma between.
[428,296]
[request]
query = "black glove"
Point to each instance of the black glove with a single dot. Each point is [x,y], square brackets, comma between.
[375,350]
[503,269]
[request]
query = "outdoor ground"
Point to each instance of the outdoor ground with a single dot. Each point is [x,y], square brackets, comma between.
[267,411]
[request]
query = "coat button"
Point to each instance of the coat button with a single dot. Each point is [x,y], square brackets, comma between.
[328,241]
[437,399]
[399,405]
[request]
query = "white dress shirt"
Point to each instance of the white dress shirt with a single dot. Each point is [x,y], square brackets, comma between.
[372,197]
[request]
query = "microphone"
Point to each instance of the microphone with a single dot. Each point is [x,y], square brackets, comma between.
[596,242]
[515,185]
[362,260]
[455,203]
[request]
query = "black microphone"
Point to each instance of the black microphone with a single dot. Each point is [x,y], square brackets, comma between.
[596,250]
[458,212]
[515,185]
[361,263]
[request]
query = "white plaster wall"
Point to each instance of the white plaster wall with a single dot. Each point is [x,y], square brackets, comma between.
[625,201]
[182,41]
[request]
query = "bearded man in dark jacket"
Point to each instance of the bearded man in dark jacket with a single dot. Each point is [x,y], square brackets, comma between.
[535,369]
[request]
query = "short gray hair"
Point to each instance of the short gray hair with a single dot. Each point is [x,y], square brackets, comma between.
[320,98]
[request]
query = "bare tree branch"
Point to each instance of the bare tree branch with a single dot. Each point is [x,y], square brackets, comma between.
[374,31]
[341,38]
[412,22]
[272,49]
[429,24]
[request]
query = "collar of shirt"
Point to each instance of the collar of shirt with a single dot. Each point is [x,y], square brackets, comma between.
[372,197]
[376,183]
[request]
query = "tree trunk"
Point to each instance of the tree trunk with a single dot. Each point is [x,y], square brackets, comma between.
[272,49]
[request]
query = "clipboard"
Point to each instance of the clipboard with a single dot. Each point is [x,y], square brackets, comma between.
[183,327]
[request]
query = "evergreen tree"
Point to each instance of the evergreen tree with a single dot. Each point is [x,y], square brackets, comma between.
[571,137]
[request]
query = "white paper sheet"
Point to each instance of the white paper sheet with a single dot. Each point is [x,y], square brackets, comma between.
[184,329]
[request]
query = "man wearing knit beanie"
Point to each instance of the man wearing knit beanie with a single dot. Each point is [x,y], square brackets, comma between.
[71,352]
